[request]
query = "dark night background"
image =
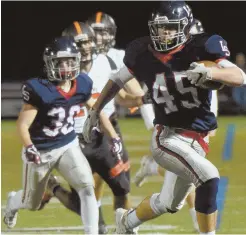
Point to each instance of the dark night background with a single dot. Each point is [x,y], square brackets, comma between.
[28,26]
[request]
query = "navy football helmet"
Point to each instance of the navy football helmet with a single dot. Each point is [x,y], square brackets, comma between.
[105,30]
[62,59]
[170,25]
[196,27]
[84,37]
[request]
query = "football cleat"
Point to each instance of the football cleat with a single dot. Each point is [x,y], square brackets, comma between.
[10,216]
[143,172]
[120,218]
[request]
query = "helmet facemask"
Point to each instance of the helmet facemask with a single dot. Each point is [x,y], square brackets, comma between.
[86,49]
[62,67]
[168,34]
[105,37]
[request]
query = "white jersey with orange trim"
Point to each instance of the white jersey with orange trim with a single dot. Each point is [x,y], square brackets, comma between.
[117,55]
[146,110]
[99,73]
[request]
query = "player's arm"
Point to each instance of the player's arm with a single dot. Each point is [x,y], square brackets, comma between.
[128,100]
[104,120]
[131,95]
[25,120]
[228,73]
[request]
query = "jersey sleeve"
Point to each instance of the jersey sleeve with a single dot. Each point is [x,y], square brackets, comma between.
[29,95]
[131,56]
[217,48]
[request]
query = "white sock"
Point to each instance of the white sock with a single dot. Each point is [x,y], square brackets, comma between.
[194,218]
[153,168]
[209,233]
[132,221]
[16,201]
[89,210]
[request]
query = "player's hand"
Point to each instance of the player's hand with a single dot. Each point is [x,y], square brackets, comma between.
[32,154]
[91,121]
[116,147]
[198,74]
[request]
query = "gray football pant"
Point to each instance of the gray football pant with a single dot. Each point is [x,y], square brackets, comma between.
[185,162]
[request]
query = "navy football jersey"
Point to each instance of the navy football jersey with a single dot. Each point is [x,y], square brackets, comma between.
[177,102]
[53,126]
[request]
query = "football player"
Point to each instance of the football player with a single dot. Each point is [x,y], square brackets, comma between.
[46,128]
[150,167]
[105,31]
[167,63]
[108,166]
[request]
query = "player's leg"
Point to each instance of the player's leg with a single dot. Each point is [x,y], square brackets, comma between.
[35,179]
[189,152]
[99,189]
[111,170]
[125,155]
[148,167]
[191,204]
[178,154]
[75,168]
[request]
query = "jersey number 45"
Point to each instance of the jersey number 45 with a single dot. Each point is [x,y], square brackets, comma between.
[161,94]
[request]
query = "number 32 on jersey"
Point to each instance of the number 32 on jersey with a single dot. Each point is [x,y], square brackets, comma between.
[162,95]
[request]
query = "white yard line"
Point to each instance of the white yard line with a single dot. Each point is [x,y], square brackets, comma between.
[149,227]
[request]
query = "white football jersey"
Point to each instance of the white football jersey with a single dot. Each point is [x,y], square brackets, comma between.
[99,73]
[117,56]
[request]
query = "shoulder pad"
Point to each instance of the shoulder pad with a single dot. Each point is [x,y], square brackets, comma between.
[135,49]
[217,46]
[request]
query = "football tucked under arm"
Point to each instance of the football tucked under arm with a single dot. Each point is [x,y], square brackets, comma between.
[209,75]
[210,84]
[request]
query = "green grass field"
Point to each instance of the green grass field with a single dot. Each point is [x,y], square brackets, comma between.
[137,141]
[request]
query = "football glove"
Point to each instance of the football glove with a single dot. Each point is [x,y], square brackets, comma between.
[116,147]
[198,74]
[91,121]
[32,154]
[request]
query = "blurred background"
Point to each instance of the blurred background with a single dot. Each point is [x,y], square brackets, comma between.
[26,27]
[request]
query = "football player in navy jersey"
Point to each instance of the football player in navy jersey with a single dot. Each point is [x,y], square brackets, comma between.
[106,163]
[46,128]
[167,63]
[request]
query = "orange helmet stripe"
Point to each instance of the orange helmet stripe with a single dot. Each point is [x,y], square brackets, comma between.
[77,27]
[98,17]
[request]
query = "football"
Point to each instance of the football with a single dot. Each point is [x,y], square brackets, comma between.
[213,85]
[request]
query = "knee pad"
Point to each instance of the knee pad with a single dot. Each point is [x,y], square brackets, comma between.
[161,207]
[156,205]
[206,193]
